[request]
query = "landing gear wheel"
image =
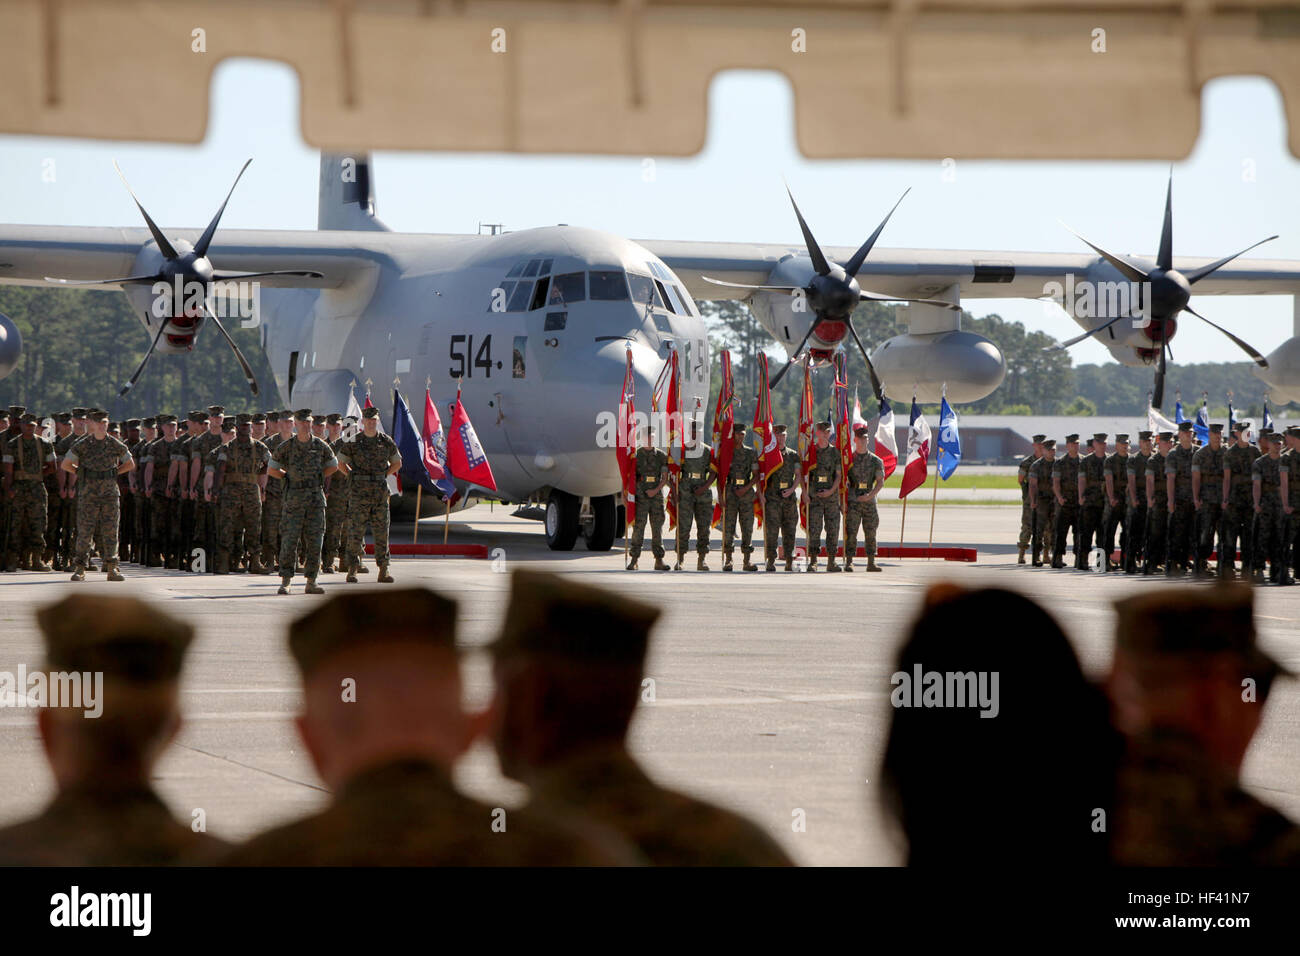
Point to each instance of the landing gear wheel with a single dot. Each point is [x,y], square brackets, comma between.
[604,514]
[562,510]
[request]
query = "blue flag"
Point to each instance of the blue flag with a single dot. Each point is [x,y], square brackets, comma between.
[1179,417]
[1202,424]
[1267,424]
[1232,418]
[949,453]
[406,435]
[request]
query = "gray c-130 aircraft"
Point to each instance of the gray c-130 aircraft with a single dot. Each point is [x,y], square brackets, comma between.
[535,325]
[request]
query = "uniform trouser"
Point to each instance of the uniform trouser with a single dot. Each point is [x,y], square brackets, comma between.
[53,516]
[1208,520]
[1044,533]
[823,512]
[780,518]
[1112,517]
[28,523]
[1136,533]
[1157,534]
[98,511]
[860,514]
[164,526]
[336,520]
[302,517]
[68,506]
[697,508]
[205,528]
[369,506]
[239,511]
[1238,526]
[1290,528]
[185,535]
[1067,520]
[1091,528]
[271,509]
[6,531]
[738,508]
[1026,522]
[648,508]
[126,524]
[1268,541]
[1182,529]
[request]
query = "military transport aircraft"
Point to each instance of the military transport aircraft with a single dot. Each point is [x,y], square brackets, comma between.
[535,325]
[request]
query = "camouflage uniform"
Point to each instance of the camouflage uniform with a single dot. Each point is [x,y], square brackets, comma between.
[1238,510]
[53,511]
[1174,808]
[337,497]
[1044,536]
[271,509]
[28,458]
[1116,465]
[1066,516]
[1267,471]
[651,469]
[1182,523]
[1137,514]
[781,515]
[865,471]
[239,507]
[369,460]
[694,502]
[1026,513]
[669,828]
[98,498]
[303,505]
[407,812]
[67,507]
[739,503]
[1290,462]
[823,511]
[183,505]
[205,532]
[1208,463]
[1092,507]
[1157,544]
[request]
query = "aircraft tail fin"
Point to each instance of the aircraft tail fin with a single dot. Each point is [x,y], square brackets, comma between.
[347,195]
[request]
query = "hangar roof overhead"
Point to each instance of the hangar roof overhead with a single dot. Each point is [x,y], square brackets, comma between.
[1025,79]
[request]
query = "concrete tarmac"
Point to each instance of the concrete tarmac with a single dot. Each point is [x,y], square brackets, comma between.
[770,690]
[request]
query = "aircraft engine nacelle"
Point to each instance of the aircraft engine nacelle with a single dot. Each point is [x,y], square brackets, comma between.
[968,364]
[11,345]
[1283,373]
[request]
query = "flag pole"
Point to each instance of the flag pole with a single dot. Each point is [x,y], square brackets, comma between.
[933,500]
[415,535]
[446,521]
[901,526]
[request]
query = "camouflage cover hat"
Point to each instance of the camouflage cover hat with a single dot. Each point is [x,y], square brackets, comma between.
[302,415]
[1050,443]
[216,411]
[557,617]
[63,418]
[1121,438]
[27,419]
[257,418]
[1184,426]
[1144,436]
[197,418]
[1217,621]
[1039,439]
[738,428]
[148,422]
[1216,428]
[333,419]
[79,412]
[16,411]
[118,636]
[823,426]
[272,416]
[861,431]
[371,412]
[1166,436]
[243,419]
[133,423]
[779,429]
[228,426]
[318,419]
[1293,431]
[1100,436]
[1070,438]
[355,619]
[98,416]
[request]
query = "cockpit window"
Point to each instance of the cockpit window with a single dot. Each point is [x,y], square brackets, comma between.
[643,290]
[520,298]
[533,265]
[608,286]
[569,288]
[518,268]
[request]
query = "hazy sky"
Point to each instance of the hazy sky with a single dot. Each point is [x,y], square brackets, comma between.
[731,191]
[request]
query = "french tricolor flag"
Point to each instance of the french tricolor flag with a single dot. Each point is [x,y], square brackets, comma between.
[918,452]
[886,446]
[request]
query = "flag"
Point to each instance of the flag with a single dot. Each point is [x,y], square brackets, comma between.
[885,442]
[807,447]
[769,456]
[394,483]
[918,451]
[724,417]
[1267,423]
[843,438]
[857,412]
[410,443]
[435,450]
[1202,424]
[669,382]
[465,456]
[949,454]
[1157,422]
[1232,417]
[353,412]
[1179,417]
[626,442]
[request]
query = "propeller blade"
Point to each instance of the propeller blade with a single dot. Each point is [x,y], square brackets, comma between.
[1079,338]
[239,356]
[221,275]
[879,297]
[1158,393]
[871,369]
[144,361]
[121,279]
[814,250]
[205,240]
[1244,346]
[1165,257]
[794,356]
[859,257]
[1126,268]
[742,285]
[164,246]
[1199,274]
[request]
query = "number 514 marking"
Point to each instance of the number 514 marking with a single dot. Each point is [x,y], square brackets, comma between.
[462,347]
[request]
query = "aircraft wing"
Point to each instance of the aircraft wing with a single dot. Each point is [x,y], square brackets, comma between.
[29,254]
[922,273]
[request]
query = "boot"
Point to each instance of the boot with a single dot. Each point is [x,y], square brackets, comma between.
[284,585]
[726,562]
[631,565]
[314,588]
[78,575]
[789,564]
[361,567]
[113,573]
[749,565]
[352,574]
[680,558]
[37,564]
[255,566]
[660,565]
[1020,556]
[327,567]
[223,564]
[700,565]
[770,566]
[848,564]
[24,562]
[871,563]
[384,576]
[832,567]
